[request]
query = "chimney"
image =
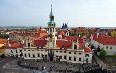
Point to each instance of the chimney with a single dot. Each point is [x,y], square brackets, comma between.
[97,35]
[106,33]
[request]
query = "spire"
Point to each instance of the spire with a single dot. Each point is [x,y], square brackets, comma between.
[51,14]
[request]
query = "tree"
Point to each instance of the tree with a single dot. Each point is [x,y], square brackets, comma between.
[109,33]
[4,36]
[75,31]
[113,33]
[102,53]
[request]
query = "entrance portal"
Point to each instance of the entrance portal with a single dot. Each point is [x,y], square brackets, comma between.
[51,55]
[51,58]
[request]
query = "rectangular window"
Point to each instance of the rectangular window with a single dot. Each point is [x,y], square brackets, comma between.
[25,55]
[79,59]
[74,52]
[86,55]
[60,51]
[110,47]
[16,51]
[106,47]
[69,52]
[38,55]
[64,57]
[64,51]
[56,51]
[60,57]
[79,53]
[33,55]
[20,50]
[69,58]
[74,58]
[29,54]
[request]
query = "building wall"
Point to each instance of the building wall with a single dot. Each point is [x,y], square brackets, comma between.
[11,52]
[110,49]
[59,53]
[88,55]
[2,51]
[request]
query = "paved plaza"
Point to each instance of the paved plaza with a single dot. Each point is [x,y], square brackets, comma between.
[40,66]
[10,65]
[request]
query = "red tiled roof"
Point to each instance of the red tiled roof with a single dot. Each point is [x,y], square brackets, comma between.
[14,46]
[39,43]
[81,45]
[22,33]
[104,39]
[70,38]
[61,32]
[87,49]
[11,42]
[2,41]
[63,44]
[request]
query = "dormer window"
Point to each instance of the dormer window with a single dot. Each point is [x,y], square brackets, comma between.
[75,46]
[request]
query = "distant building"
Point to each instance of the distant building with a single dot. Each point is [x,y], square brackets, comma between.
[64,26]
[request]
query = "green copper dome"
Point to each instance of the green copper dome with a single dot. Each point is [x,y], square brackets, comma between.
[51,24]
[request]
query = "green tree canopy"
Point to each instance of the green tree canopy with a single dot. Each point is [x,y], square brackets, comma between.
[102,53]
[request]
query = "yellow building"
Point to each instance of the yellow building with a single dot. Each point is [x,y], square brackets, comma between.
[2,51]
[3,42]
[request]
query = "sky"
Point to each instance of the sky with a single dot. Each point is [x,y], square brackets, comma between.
[77,13]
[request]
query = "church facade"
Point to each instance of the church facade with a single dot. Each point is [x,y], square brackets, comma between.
[69,48]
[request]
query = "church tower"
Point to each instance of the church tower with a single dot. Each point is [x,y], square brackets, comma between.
[51,31]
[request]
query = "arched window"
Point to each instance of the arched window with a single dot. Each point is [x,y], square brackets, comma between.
[28,44]
[53,29]
[50,29]
[75,46]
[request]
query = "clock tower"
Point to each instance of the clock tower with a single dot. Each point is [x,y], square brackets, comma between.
[51,31]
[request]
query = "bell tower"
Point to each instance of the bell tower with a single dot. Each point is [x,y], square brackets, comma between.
[51,31]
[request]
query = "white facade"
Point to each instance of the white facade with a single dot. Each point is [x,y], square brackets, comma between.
[73,55]
[110,49]
[11,52]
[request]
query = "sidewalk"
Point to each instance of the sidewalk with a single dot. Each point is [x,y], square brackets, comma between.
[101,63]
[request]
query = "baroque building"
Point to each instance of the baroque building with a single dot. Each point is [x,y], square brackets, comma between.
[52,47]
